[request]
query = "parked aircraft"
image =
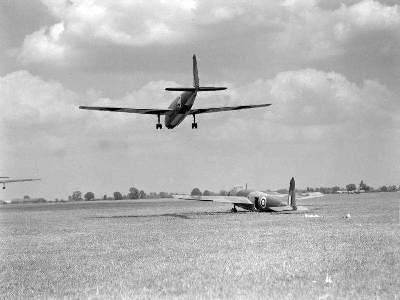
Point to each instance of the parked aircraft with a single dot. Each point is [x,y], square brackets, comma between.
[4,181]
[254,200]
[181,107]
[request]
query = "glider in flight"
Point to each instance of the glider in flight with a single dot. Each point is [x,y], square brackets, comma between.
[254,200]
[181,107]
[4,180]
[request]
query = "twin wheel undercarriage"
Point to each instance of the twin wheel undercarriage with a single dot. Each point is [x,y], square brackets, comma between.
[159,125]
[249,208]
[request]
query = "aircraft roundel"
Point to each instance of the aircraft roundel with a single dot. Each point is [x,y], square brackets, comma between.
[263,202]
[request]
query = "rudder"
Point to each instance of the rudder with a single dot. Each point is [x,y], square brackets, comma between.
[195,73]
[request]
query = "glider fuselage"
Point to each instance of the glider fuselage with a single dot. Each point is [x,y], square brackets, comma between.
[261,201]
[181,107]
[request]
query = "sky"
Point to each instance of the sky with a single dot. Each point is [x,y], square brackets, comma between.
[331,70]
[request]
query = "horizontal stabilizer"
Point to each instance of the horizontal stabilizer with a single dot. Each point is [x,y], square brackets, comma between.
[211,88]
[181,89]
[145,111]
[199,89]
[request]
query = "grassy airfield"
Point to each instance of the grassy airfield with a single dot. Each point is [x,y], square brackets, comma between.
[178,249]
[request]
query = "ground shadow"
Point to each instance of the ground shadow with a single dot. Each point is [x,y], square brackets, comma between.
[194,215]
[191,215]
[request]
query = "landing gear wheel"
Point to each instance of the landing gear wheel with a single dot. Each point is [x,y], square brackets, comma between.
[234,210]
[158,125]
[194,124]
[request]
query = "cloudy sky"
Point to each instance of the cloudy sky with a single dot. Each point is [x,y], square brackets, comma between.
[331,70]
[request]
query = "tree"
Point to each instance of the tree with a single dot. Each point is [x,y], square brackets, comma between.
[89,196]
[164,195]
[133,193]
[335,189]
[383,188]
[153,195]
[223,193]
[391,188]
[105,197]
[363,186]
[76,196]
[26,197]
[351,187]
[117,196]
[207,193]
[142,195]
[196,192]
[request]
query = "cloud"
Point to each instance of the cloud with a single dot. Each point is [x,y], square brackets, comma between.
[45,45]
[47,113]
[312,32]
[112,35]
[313,105]
[306,104]
[39,101]
[370,14]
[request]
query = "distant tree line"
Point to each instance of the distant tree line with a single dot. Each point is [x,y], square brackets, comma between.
[350,188]
[197,192]
[353,188]
[133,193]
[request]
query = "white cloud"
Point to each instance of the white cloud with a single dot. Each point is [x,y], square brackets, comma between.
[312,105]
[366,16]
[45,45]
[372,14]
[30,100]
[315,33]
[294,28]
[306,104]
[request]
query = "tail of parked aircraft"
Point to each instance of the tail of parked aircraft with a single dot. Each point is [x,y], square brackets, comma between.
[196,85]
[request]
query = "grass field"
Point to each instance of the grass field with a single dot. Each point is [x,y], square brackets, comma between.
[177,249]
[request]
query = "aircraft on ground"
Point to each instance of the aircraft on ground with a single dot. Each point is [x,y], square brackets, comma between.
[181,107]
[254,200]
[3,180]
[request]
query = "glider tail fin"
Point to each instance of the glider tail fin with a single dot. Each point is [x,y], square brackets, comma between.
[195,73]
[196,85]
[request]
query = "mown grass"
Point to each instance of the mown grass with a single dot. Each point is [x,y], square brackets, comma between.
[171,249]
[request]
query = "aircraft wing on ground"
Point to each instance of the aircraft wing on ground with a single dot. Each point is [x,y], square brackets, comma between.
[145,111]
[300,196]
[225,199]
[18,180]
[225,108]
[288,208]
[310,195]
